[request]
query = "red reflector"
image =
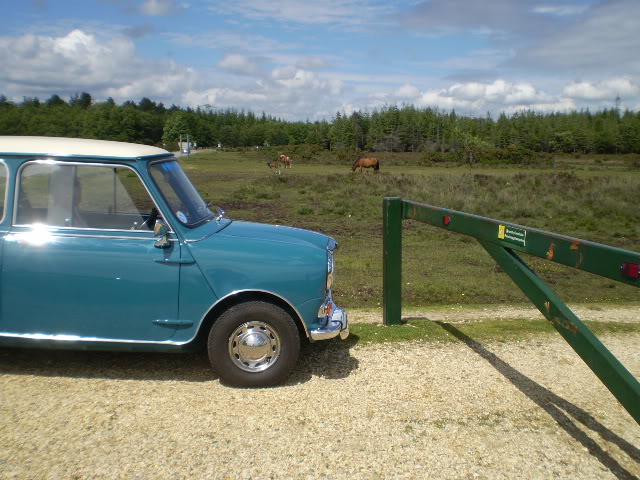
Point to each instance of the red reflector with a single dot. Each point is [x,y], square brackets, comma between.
[328,310]
[446,219]
[631,270]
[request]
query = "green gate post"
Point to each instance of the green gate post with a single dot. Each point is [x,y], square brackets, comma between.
[600,360]
[392,261]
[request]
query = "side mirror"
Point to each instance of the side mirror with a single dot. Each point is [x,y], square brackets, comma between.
[160,229]
[219,213]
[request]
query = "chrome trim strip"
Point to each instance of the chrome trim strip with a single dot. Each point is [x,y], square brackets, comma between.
[80,230]
[202,238]
[235,292]
[172,322]
[113,237]
[84,164]
[77,338]
[76,156]
[6,191]
[83,229]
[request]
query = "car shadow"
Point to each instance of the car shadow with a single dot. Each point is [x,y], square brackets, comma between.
[188,367]
[328,359]
[566,414]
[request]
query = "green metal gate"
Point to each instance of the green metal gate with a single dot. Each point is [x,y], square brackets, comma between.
[502,240]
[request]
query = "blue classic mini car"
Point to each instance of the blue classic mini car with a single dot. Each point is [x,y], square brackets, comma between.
[107,245]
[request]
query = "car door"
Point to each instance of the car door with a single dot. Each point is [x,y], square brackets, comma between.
[81,259]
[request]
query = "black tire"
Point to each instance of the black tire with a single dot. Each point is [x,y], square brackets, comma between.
[254,344]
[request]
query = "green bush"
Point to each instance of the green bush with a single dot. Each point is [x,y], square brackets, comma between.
[511,155]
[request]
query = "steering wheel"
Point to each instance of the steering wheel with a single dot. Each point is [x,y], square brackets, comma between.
[151,219]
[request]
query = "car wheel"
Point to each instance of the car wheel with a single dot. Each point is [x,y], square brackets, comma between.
[253,344]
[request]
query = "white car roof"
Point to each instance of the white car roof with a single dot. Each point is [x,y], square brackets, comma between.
[75,147]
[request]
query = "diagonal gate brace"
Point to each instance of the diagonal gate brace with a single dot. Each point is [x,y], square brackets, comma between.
[600,360]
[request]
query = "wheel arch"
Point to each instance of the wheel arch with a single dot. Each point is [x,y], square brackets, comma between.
[236,298]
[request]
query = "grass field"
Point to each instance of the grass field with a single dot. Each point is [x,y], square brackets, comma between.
[594,199]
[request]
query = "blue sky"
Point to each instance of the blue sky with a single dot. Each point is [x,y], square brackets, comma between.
[308,59]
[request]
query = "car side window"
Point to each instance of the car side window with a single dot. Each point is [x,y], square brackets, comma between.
[84,196]
[3,188]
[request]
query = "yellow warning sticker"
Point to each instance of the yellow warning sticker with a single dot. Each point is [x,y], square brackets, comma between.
[517,236]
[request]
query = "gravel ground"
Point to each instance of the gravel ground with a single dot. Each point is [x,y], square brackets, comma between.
[528,409]
[464,314]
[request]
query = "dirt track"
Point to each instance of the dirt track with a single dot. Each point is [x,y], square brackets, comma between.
[527,409]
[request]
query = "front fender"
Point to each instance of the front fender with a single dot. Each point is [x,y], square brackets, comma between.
[295,272]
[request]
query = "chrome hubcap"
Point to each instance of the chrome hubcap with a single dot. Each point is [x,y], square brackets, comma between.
[254,346]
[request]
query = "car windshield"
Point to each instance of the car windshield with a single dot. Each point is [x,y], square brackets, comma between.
[180,194]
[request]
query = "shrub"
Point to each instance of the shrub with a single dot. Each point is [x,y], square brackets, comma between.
[305,211]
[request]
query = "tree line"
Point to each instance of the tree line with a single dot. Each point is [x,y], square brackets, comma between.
[393,129]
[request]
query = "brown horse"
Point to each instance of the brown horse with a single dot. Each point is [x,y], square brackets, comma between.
[275,165]
[286,161]
[366,162]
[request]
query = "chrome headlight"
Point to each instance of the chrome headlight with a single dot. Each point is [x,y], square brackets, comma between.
[330,269]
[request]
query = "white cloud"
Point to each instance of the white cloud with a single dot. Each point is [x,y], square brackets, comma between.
[103,66]
[474,62]
[304,80]
[476,97]
[39,65]
[499,91]
[561,38]
[494,18]
[110,66]
[391,80]
[558,105]
[603,90]
[77,58]
[233,41]
[168,86]
[560,10]
[605,39]
[312,63]
[156,8]
[223,97]
[335,12]
[408,92]
[240,64]
[284,73]
[437,99]
[288,92]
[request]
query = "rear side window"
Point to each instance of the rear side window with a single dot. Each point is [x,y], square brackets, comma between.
[3,188]
[84,196]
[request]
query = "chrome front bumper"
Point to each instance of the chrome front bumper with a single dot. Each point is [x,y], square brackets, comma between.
[336,325]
